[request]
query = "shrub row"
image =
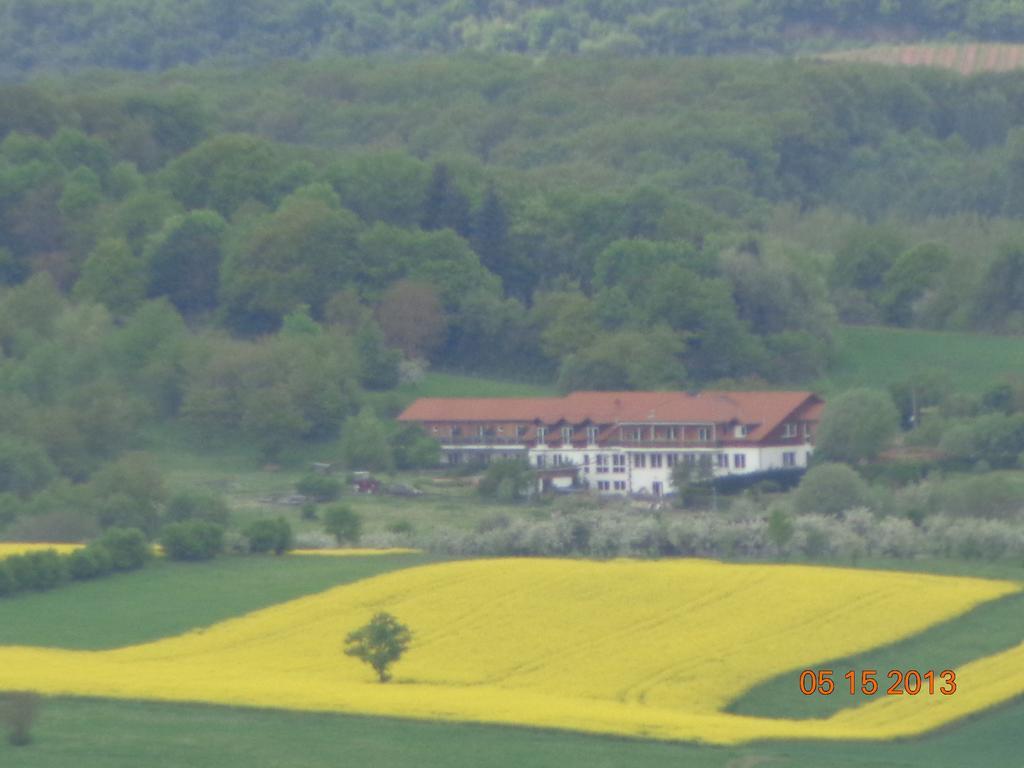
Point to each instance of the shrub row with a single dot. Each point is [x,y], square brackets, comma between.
[778,534]
[119,549]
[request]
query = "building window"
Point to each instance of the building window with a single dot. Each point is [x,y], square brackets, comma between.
[672,459]
[739,461]
[592,435]
[638,434]
[603,485]
[722,460]
[690,459]
[670,433]
[482,431]
[639,460]
[540,460]
[542,433]
[520,431]
[618,463]
[620,485]
[657,489]
[807,429]
[741,431]
[602,463]
[703,434]
[566,435]
[655,461]
[789,459]
[789,429]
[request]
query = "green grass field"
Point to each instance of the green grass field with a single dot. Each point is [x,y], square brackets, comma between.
[437,384]
[112,734]
[167,598]
[876,357]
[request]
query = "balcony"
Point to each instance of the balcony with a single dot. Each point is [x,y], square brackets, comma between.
[484,440]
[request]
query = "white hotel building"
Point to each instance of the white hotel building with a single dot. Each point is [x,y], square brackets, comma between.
[626,442]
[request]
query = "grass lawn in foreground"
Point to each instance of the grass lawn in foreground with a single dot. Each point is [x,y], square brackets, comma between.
[113,734]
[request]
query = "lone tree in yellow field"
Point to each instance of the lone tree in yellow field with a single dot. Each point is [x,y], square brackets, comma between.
[379,643]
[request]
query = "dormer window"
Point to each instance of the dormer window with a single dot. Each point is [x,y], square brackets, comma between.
[670,433]
[592,435]
[741,430]
[703,434]
[542,434]
[566,435]
[638,434]
[789,429]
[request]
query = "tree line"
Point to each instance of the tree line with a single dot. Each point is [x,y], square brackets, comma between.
[155,34]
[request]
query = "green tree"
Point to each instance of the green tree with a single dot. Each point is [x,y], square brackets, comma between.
[380,643]
[831,489]
[224,172]
[999,303]
[378,363]
[113,276]
[506,480]
[411,317]
[626,360]
[444,206]
[364,442]
[24,466]
[341,522]
[857,425]
[269,535]
[301,254]
[184,260]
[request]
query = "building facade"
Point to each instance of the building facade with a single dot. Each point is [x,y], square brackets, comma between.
[627,442]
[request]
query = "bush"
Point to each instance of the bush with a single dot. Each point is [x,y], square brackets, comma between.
[89,563]
[192,540]
[830,489]
[506,480]
[127,548]
[268,535]
[319,487]
[343,524]
[7,585]
[990,496]
[36,570]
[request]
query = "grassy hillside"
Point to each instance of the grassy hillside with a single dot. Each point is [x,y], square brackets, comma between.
[877,357]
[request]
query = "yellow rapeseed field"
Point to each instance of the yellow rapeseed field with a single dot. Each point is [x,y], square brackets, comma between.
[8,548]
[354,552]
[654,649]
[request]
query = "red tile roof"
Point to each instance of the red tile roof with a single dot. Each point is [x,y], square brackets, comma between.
[765,410]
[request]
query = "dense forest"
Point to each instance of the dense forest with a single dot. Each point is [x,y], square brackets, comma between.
[156,34]
[616,223]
